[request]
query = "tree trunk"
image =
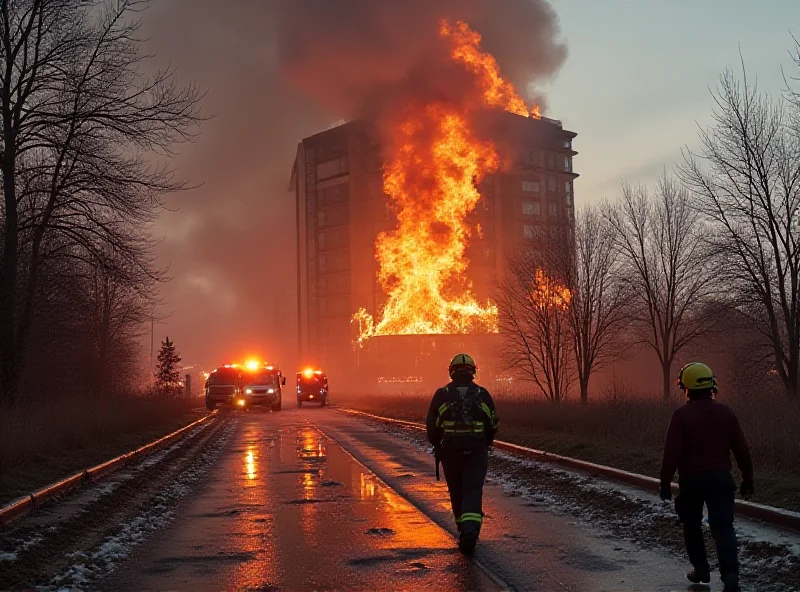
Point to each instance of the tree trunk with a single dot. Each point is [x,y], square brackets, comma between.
[792,376]
[666,368]
[584,383]
[9,267]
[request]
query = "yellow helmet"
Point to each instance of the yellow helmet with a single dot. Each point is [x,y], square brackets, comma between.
[696,376]
[462,362]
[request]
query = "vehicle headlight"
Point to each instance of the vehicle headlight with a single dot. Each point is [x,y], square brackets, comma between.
[271,391]
[248,391]
[240,402]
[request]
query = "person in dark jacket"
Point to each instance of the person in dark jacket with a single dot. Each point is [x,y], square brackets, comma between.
[462,424]
[701,436]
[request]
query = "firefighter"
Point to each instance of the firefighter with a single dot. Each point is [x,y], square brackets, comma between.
[701,436]
[461,425]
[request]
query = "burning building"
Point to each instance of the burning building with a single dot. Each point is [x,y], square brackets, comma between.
[405,221]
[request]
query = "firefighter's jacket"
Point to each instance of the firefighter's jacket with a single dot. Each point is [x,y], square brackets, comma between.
[462,408]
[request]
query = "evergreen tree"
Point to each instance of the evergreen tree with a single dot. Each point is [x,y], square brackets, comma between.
[167,374]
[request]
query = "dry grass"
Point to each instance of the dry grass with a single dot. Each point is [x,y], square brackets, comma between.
[40,444]
[628,433]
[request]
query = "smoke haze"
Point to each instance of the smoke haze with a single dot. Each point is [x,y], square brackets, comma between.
[277,72]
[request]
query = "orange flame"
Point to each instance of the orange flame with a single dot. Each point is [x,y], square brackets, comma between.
[438,162]
[497,92]
[548,292]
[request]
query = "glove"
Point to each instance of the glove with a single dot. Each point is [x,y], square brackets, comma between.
[746,488]
[666,492]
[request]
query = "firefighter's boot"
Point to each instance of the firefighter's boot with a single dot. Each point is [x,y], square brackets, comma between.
[697,576]
[467,541]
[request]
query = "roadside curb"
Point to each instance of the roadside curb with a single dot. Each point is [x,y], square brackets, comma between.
[34,500]
[769,514]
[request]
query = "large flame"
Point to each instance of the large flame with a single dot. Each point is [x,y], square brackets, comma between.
[438,161]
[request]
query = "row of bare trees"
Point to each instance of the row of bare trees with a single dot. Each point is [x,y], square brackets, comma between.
[85,133]
[720,239]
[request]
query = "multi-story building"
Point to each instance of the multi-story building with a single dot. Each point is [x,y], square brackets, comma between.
[341,208]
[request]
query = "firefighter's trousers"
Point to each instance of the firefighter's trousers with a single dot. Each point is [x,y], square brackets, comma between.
[465,460]
[716,490]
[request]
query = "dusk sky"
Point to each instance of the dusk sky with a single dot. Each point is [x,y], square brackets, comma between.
[636,82]
[634,86]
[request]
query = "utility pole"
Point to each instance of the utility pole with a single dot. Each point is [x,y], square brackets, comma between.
[152,346]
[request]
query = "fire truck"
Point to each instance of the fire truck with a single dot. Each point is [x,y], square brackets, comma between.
[260,385]
[312,386]
[222,386]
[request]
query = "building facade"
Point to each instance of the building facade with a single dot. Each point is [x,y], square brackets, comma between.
[341,209]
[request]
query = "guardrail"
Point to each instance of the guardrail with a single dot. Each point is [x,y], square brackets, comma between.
[769,514]
[29,503]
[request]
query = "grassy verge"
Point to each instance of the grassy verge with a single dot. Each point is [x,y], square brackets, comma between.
[627,435]
[43,443]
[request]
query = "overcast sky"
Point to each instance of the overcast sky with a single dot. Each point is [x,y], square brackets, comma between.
[636,82]
[634,85]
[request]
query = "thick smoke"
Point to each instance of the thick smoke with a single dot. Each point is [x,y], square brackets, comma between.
[343,53]
[277,72]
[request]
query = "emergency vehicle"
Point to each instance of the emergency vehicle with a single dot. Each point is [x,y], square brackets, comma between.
[312,386]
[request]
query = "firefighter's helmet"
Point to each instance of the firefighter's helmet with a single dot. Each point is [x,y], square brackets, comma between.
[696,376]
[462,362]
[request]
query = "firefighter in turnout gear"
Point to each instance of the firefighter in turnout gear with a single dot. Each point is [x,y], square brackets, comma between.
[461,424]
[701,436]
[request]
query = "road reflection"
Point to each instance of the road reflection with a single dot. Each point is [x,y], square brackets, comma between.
[250,462]
[253,522]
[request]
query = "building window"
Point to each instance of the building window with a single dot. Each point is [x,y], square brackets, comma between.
[322,262]
[551,184]
[321,239]
[553,207]
[487,253]
[540,159]
[568,163]
[531,208]
[530,186]
[568,143]
[567,188]
[322,218]
[551,160]
[331,168]
[531,232]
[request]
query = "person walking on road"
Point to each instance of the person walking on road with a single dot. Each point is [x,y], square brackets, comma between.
[461,425]
[701,436]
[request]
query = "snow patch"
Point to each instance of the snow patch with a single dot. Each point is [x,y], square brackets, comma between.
[88,566]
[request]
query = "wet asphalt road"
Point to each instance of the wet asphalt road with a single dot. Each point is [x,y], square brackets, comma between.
[313,499]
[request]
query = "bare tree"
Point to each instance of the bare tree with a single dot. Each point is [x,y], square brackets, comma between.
[81,124]
[116,312]
[746,179]
[600,306]
[660,242]
[533,304]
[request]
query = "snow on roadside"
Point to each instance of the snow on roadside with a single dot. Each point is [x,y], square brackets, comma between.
[102,489]
[87,566]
